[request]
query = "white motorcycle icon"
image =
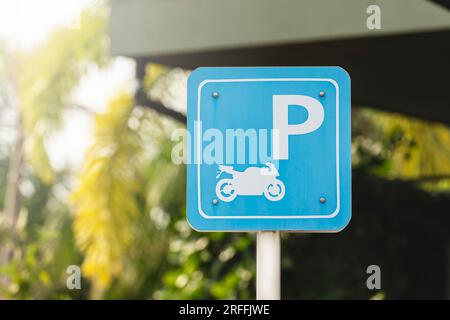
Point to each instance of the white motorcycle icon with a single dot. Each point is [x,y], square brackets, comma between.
[251,181]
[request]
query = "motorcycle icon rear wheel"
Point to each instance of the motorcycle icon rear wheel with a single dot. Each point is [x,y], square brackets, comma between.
[275,191]
[225,190]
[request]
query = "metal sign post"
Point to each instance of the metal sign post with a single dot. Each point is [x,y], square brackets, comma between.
[268,273]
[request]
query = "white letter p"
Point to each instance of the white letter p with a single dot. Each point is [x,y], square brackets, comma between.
[282,128]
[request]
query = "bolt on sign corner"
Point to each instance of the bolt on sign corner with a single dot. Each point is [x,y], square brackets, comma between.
[269,149]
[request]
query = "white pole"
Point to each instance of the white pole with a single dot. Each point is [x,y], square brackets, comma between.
[268,265]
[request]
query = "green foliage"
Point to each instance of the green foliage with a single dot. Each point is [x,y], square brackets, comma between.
[206,266]
[395,146]
[42,81]
[130,218]
[107,197]
[42,248]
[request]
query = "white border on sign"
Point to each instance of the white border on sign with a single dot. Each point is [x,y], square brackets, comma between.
[199,143]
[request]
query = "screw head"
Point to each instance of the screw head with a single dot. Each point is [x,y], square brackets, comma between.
[215,201]
[322,200]
[215,94]
[321,93]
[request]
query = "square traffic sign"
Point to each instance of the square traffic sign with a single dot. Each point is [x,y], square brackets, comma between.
[269,149]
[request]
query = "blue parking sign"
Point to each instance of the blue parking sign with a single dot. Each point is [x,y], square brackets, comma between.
[269,149]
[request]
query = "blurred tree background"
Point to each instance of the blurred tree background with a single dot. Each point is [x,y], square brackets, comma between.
[122,216]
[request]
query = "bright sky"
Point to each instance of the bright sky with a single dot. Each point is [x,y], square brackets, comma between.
[25,24]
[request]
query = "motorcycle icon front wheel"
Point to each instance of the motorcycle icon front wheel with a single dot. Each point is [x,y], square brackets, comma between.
[275,191]
[225,190]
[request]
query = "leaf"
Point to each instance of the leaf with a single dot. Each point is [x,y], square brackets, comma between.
[106,199]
